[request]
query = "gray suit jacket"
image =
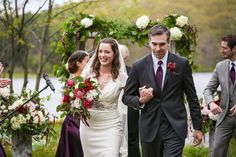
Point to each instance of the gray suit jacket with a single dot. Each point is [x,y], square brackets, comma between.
[220,77]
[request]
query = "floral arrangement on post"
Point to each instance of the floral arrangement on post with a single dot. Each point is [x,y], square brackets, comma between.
[181,31]
[78,96]
[32,118]
[208,117]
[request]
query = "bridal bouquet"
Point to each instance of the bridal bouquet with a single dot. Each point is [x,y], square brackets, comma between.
[32,118]
[79,94]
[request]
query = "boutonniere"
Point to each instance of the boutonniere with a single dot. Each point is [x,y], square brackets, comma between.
[171,66]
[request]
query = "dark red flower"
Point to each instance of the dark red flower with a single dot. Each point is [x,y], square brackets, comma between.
[66,98]
[171,66]
[88,84]
[22,109]
[88,103]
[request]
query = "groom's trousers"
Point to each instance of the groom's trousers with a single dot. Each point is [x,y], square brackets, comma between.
[167,142]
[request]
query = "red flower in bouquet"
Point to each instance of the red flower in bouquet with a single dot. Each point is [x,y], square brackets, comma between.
[171,66]
[66,99]
[88,103]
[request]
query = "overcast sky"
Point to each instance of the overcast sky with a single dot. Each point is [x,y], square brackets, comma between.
[33,5]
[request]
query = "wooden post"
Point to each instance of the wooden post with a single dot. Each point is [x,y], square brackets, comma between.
[21,145]
[172,46]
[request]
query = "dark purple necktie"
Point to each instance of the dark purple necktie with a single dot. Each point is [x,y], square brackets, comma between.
[159,74]
[232,73]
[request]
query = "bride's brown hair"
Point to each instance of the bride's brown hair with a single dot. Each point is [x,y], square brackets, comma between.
[115,67]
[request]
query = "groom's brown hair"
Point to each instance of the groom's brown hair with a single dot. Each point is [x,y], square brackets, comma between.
[159,30]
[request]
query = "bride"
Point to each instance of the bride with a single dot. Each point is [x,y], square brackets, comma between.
[103,137]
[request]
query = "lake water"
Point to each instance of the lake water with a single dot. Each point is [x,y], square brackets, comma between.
[200,80]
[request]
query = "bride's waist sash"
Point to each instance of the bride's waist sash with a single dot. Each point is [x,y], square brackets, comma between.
[97,105]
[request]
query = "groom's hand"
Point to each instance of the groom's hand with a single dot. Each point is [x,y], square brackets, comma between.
[197,137]
[214,108]
[146,94]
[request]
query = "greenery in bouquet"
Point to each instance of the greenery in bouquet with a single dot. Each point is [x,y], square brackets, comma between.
[79,94]
[31,118]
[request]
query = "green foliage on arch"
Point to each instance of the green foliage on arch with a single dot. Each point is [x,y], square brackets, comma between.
[84,27]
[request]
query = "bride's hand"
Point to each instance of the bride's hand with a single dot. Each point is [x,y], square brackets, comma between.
[146,94]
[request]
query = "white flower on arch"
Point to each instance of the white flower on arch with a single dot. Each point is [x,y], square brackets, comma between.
[142,22]
[182,21]
[175,33]
[86,22]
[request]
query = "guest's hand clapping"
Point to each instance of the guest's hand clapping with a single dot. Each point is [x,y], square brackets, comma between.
[3,82]
[146,94]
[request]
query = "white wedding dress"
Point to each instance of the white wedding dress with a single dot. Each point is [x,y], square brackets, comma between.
[104,135]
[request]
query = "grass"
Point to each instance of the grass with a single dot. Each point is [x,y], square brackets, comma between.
[49,150]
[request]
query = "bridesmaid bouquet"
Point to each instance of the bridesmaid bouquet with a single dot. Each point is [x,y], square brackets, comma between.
[207,115]
[78,96]
[32,118]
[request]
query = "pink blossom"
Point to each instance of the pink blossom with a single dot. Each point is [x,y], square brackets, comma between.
[70,83]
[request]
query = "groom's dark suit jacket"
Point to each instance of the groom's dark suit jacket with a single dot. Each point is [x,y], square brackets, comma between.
[169,101]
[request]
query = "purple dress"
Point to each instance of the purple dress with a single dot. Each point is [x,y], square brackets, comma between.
[2,152]
[70,144]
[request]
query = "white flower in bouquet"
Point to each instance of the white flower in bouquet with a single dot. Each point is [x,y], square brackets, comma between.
[3,107]
[86,22]
[16,104]
[142,22]
[182,21]
[71,94]
[5,92]
[91,94]
[213,116]
[175,33]
[41,117]
[28,116]
[5,111]
[16,122]
[31,106]
[77,103]
[36,120]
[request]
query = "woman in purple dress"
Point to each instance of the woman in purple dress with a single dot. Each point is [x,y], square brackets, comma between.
[69,144]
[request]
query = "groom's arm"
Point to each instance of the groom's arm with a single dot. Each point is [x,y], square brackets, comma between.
[192,98]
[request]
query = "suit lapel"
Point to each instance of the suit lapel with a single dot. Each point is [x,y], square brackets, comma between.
[169,59]
[226,74]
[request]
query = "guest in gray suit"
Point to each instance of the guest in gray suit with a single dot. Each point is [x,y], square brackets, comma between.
[224,76]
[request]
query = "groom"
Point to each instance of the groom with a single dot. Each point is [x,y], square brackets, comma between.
[156,85]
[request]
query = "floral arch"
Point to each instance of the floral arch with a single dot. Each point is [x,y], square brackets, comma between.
[78,30]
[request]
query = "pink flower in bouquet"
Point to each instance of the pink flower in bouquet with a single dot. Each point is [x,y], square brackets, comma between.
[78,93]
[88,103]
[70,83]
[66,98]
